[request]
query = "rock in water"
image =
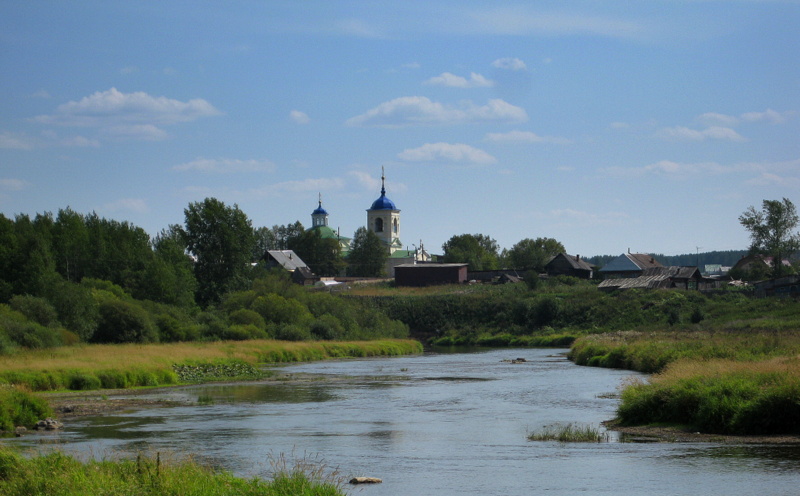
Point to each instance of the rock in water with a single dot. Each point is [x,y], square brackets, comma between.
[365,480]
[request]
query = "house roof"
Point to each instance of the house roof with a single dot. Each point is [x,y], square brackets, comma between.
[651,278]
[575,262]
[630,262]
[287,259]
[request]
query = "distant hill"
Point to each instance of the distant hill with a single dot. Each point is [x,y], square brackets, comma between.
[726,258]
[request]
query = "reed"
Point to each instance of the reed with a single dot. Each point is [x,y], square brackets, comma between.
[569,433]
[20,408]
[59,474]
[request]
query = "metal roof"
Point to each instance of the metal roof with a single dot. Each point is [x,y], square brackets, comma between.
[287,259]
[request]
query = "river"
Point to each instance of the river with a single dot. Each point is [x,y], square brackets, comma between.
[441,424]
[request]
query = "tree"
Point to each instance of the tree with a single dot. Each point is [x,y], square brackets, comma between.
[772,231]
[265,240]
[221,240]
[477,250]
[283,234]
[322,255]
[368,254]
[533,254]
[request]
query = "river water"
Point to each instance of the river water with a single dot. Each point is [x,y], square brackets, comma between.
[442,424]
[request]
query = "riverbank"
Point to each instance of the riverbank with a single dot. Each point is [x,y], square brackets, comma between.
[99,367]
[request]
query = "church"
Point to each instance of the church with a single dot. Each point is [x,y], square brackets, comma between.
[383,218]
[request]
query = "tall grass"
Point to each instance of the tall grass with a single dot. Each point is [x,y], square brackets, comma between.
[651,352]
[569,433]
[57,474]
[719,396]
[20,408]
[88,367]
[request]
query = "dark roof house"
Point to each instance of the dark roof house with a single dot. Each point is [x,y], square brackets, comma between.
[629,265]
[568,265]
[289,260]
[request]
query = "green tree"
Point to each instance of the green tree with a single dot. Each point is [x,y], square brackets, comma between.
[477,250]
[70,244]
[533,254]
[773,231]
[368,254]
[265,240]
[322,255]
[283,234]
[221,240]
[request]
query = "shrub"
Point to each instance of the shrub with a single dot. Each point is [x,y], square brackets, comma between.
[124,322]
[327,327]
[291,332]
[245,316]
[36,309]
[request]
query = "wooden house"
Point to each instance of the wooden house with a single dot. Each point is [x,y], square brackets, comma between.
[430,274]
[568,265]
[629,265]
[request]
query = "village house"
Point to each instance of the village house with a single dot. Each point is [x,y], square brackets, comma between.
[659,278]
[568,265]
[629,265]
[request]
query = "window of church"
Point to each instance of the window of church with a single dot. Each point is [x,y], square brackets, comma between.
[379,225]
[394,227]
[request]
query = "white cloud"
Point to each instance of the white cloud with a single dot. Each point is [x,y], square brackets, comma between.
[366,180]
[682,133]
[131,115]
[15,141]
[453,81]
[716,119]
[677,170]
[419,110]
[131,69]
[768,115]
[12,184]
[299,117]
[225,165]
[450,152]
[127,205]
[772,179]
[525,137]
[509,63]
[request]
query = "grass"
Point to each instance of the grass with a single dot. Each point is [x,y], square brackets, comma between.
[569,433]
[87,367]
[57,474]
[719,396]
[20,408]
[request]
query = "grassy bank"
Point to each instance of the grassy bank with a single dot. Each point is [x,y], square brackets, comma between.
[719,396]
[20,408]
[57,474]
[734,382]
[87,367]
[651,352]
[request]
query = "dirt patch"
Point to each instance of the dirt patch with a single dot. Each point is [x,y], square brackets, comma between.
[662,434]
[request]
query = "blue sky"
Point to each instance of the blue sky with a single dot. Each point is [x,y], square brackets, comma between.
[607,125]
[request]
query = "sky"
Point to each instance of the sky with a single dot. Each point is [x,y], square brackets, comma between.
[648,126]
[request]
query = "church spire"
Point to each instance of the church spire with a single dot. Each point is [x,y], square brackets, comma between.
[383,181]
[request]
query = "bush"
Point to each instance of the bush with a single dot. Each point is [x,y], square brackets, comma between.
[327,327]
[291,332]
[245,316]
[124,322]
[36,309]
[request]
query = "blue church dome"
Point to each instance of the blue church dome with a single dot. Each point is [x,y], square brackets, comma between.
[319,211]
[383,203]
